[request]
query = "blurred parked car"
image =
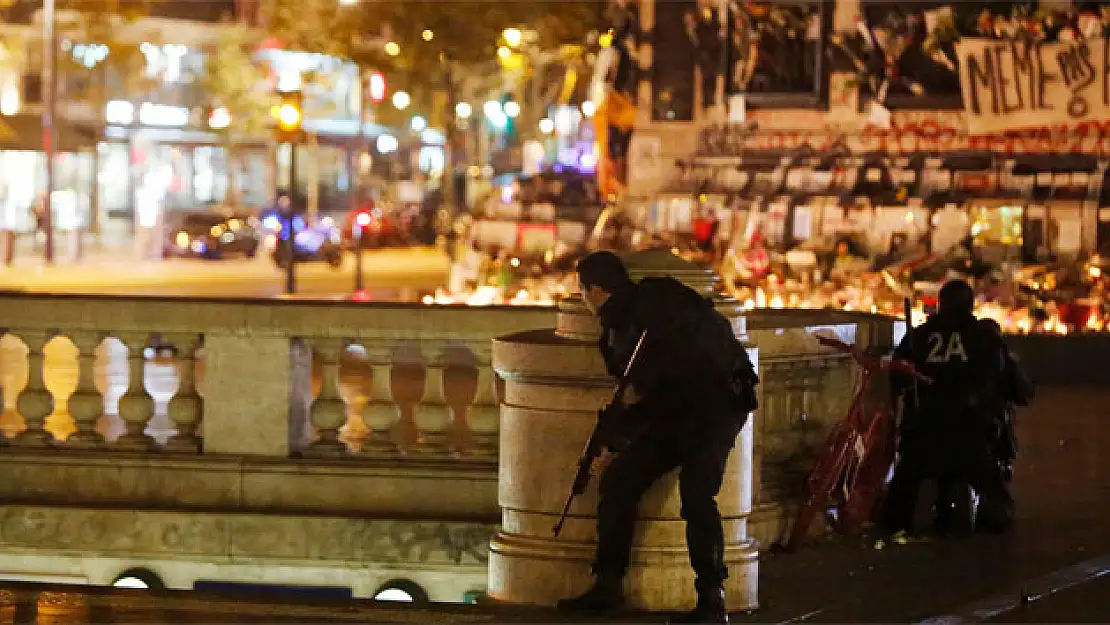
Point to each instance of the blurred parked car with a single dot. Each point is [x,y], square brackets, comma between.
[213,236]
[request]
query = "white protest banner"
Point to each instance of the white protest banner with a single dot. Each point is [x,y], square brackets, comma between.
[1012,85]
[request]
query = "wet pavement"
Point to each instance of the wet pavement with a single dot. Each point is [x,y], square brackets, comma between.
[1084,603]
[1051,569]
[1062,489]
[392,273]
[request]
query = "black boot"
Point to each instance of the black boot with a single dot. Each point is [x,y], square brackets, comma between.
[710,607]
[603,596]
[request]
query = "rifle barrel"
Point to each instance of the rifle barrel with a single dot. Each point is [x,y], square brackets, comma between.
[593,445]
[563,517]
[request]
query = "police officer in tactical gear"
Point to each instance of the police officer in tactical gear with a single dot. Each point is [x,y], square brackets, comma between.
[953,499]
[949,435]
[681,411]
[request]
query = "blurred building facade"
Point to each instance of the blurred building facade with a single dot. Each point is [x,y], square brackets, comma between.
[142,137]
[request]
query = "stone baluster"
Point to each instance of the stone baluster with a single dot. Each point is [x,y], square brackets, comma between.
[329,411]
[431,414]
[381,413]
[35,402]
[186,409]
[475,431]
[136,406]
[86,404]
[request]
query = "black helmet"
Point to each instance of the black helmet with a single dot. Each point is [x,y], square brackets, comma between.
[956,298]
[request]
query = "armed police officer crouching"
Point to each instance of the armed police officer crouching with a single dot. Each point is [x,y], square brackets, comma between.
[949,427]
[687,394]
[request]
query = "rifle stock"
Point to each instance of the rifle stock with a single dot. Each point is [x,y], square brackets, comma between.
[607,421]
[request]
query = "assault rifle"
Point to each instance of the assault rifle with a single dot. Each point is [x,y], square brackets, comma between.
[608,422]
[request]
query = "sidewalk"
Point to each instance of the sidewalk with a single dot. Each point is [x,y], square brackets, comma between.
[29,249]
[115,267]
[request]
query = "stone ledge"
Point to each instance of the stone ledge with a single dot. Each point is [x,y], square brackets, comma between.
[68,313]
[241,538]
[463,490]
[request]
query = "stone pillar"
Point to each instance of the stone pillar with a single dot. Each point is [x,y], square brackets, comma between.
[258,367]
[554,383]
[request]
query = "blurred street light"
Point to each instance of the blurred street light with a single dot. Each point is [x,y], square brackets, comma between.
[401,100]
[387,144]
[499,120]
[348,3]
[463,110]
[392,48]
[377,87]
[547,126]
[504,52]
[428,35]
[492,109]
[512,109]
[9,100]
[418,123]
[564,120]
[288,114]
[512,36]
[219,118]
[589,108]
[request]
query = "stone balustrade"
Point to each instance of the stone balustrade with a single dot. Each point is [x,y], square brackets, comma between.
[281,381]
[252,406]
[255,378]
[336,418]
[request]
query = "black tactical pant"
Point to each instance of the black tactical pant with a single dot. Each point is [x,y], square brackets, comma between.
[952,459]
[1002,441]
[699,450]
